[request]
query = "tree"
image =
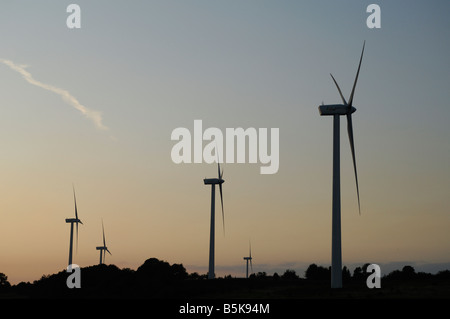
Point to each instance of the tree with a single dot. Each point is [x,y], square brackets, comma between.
[158,270]
[311,272]
[178,272]
[289,274]
[4,283]
[408,271]
[194,276]
[358,273]
[364,268]
[346,276]
[315,272]
[261,275]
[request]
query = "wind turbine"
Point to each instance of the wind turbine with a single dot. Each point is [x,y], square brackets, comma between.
[336,110]
[249,258]
[77,221]
[103,249]
[213,182]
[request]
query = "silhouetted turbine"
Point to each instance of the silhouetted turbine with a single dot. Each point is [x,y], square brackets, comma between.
[77,221]
[249,258]
[337,110]
[213,182]
[103,249]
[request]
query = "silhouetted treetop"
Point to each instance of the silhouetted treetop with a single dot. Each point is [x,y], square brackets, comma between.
[158,270]
[4,283]
[315,272]
[289,274]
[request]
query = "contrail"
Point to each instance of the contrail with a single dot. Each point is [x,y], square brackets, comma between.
[94,116]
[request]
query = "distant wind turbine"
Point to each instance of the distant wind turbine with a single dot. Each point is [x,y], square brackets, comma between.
[103,249]
[77,221]
[336,110]
[249,258]
[213,182]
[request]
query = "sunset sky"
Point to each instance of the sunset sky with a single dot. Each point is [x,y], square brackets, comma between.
[95,107]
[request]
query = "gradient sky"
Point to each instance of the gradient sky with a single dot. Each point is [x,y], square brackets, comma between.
[152,66]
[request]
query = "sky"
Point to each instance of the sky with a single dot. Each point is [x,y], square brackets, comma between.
[95,107]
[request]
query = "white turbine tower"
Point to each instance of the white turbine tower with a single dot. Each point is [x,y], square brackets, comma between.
[77,221]
[249,258]
[213,182]
[103,249]
[336,110]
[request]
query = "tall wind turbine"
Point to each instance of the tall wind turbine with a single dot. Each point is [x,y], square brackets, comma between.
[213,181]
[77,221]
[103,249]
[336,110]
[249,258]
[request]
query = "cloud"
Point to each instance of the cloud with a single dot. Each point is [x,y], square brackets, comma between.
[94,116]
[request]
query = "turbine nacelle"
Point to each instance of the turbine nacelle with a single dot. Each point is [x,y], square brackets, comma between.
[336,109]
[103,248]
[213,181]
[73,220]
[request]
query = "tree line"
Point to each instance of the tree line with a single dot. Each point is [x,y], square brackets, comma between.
[158,278]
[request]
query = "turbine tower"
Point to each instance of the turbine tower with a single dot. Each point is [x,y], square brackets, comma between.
[213,181]
[249,258]
[103,249]
[77,221]
[336,110]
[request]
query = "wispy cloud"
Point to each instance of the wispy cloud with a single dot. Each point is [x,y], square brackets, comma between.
[94,116]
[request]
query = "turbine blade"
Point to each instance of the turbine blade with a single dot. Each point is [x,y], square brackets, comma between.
[339,89]
[220,188]
[350,101]
[108,251]
[251,265]
[104,242]
[352,147]
[221,201]
[250,249]
[220,173]
[75,200]
[77,238]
